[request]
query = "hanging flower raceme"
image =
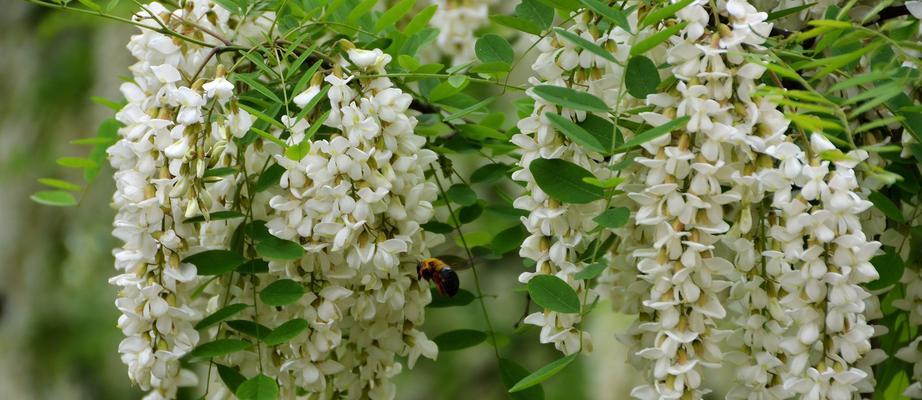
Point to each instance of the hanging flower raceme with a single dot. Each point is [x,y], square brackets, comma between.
[560,231]
[456,21]
[693,182]
[355,203]
[826,257]
[163,152]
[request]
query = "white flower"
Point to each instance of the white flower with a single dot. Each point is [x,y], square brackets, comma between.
[219,88]
[306,96]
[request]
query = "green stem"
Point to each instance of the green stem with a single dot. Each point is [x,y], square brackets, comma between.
[470,258]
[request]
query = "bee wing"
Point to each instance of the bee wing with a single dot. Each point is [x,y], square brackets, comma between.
[456,263]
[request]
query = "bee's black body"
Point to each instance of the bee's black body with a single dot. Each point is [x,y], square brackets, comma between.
[445,279]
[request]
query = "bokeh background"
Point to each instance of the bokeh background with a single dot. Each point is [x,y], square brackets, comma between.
[58,338]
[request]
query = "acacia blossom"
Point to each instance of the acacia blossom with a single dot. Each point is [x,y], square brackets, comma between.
[558,232]
[355,203]
[693,182]
[825,257]
[164,149]
[457,20]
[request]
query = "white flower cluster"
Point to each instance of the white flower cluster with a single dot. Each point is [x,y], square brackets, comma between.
[558,232]
[164,149]
[457,20]
[356,202]
[824,257]
[694,181]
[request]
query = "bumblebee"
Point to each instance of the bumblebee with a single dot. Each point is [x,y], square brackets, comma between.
[436,270]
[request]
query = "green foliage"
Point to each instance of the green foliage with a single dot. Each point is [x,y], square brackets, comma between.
[563,181]
[544,373]
[554,294]
[281,292]
[220,315]
[569,98]
[286,331]
[259,387]
[459,339]
[641,77]
[217,348]
[215,262]
[493,48]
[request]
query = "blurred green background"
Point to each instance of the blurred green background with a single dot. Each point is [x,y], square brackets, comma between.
[58,338]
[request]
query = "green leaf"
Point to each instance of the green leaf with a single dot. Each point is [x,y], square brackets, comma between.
[249,328]
[108,131]
[254,266]
[462,298]
[480,133]
[490,68]
[641,77]
[269,178]
[613,217]
[76,162]
[563,181]
[259,87]
[394,14]
[613,15]
[230,5]
[493,48]
[281,292]
[489,173]
[437,227]
[222,171]
[459,339]
[576,133]
[602,129]
[651,134]
[220,315]
[468,110]
[508,240]
[890,268]
[286,332]
[511,372]
[408,63]
[363,8]
[420,21]
[551,292]
[886,206]
[663,13]
[604,184]
[445,90]
[215,216]
[259,387]
[470,213]
[535,12]
[461,194]
[544,373]
[59,184]
[788,11]
[230,376]
[215,262]
[591,271]
[655,39]
[516,23]
[279,249]
[55,198]
[91,5]
[569,98]
[218,348]
[585,44]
